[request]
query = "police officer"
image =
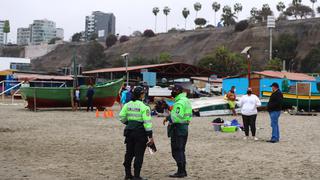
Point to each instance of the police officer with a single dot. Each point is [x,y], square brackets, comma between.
[138,132]
[179,120]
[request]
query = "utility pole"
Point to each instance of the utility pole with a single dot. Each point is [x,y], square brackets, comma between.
[271,23]
[126,58]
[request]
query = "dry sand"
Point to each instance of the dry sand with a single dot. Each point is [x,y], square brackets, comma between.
[61,144]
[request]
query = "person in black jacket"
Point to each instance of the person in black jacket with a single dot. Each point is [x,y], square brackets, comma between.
[274,109]
[89,96]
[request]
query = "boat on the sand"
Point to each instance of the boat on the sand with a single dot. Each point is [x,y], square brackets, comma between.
[49,97]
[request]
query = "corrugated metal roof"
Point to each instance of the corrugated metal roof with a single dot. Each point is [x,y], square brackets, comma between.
[130,68]
[288,75]
[219,80]
[6,72]
[41,77]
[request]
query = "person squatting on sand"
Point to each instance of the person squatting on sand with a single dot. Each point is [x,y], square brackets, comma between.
[274,109]
[249,104]
[179,120]
[138,132]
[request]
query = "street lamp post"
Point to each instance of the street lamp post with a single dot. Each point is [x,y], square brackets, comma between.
[126,58]
[247,52]
[249,67]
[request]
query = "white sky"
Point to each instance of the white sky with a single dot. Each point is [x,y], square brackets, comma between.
[130,15]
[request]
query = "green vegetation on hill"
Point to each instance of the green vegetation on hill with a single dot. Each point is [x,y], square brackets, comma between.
[312,61]
[224,62]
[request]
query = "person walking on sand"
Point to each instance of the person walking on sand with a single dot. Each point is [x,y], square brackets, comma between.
[274,109]
[138,132]
[179,120]
[249,104]
[76,99]
[231,97]
[89,96]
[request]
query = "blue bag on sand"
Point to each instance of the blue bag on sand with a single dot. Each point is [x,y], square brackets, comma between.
[235,122]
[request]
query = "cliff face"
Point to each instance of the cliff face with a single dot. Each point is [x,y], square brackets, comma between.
[12,51]
[191,46]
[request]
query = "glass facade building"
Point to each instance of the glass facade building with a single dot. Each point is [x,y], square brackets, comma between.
[101,24]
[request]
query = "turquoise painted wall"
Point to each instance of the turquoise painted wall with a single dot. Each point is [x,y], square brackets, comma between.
[240,83]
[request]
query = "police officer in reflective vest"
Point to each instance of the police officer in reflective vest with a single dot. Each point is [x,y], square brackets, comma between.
[138,132]
[179,120]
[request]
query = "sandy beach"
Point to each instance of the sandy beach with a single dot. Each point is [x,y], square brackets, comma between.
[61,144]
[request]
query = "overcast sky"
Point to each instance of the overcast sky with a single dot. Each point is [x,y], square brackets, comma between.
[130,15]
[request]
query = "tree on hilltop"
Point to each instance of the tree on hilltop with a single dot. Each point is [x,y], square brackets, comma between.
[216,7]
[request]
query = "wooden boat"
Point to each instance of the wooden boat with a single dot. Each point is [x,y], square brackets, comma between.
[48,97]
[300,101]
[212,106]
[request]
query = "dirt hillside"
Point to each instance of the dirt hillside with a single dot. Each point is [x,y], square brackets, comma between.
[191,46]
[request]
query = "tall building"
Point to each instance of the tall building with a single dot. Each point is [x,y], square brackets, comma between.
[1,32]
[40,31]
[23,36]
[100,24]
[60,33]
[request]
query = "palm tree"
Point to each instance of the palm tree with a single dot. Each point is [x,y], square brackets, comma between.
[237,8]
[228,16]
[281,6]
[296,2]
[265,12]
[166,11]
[155,11]
[6,30]
[197,7]
[216,8]
[185,14]
[313,1]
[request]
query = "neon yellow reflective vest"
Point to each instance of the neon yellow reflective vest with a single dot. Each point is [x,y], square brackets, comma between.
[182,110]
[135,114]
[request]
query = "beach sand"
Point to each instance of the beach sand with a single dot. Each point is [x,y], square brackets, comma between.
[61,144]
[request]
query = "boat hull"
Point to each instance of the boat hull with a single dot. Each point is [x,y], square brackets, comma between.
[41,97]
[301,101]
[212,107]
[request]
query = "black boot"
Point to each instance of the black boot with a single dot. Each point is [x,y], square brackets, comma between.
[184,171]
[139,178]
[128,173]
[128,177]
[137,174]
[181,172]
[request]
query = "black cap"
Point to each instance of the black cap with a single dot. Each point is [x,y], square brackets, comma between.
[176,87]
[276,85]
[137,91]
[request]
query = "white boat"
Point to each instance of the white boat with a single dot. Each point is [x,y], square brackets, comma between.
[212,106]
[217,106]
[158,91]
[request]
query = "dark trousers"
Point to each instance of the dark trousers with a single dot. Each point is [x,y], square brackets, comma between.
[90,104]
[178,146]
[249,122]
[135,147]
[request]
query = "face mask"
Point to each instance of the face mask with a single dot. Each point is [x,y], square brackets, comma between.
[234,90]
[174,94]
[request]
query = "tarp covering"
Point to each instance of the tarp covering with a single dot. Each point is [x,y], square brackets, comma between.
[23,76]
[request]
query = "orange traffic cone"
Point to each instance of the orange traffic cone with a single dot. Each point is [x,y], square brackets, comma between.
[110,113]
[97,113]
[105,114]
